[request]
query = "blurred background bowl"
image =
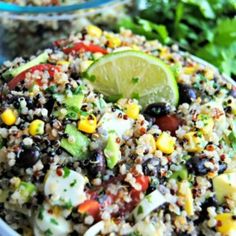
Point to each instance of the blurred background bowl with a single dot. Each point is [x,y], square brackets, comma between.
[26,29]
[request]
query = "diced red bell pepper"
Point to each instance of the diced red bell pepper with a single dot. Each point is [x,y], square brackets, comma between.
[41,67]
[90,207]
[77,47]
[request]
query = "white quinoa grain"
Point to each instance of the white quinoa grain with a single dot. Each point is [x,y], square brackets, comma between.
[3,132]
[97,181]
[28,141]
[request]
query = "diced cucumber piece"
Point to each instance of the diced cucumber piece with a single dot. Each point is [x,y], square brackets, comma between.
[26,190]
[112,151]
[150,202]
[42,58]
[74,101]
[181,174]
[78,148]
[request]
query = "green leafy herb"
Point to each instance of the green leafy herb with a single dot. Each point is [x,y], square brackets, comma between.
[72,184]
[68,205]
[48,232]
[140,210]
[53,221]
[135,96]
[232,139]
[205,28]
[40,214]
[135,80]
[135,233]
[66,172]
[114,98]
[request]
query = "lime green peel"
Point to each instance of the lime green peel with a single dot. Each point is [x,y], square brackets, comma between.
[114,77]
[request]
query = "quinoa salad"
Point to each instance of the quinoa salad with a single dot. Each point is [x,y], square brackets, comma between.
[74,162]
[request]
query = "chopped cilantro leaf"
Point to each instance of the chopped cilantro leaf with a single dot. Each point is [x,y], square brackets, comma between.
[48,232]
[40,214]
[66,172]
[140,210]
[135,80]
[72,184]
[136,96]
[53,221]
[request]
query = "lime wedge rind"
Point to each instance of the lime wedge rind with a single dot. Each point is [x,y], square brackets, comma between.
[114,73]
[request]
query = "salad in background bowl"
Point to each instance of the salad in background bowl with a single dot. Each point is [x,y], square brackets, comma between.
[112,133]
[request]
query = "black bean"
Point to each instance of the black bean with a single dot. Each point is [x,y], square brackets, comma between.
[30,103]
[49,105]
[222,167]
[28,156]
[97,164]
[197,165]
[209,202]
[187,94]
[157,109]
[151,167]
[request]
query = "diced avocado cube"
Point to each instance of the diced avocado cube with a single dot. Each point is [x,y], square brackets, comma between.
[78,147]
[112,151]
[3,195]
[26,190]
[181,174]
[74,101]
[225,186]
[42,58]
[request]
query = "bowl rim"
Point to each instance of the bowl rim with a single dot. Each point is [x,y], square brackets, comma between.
[14,8]
[8,231]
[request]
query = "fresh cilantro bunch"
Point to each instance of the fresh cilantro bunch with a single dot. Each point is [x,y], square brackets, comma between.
[206,28]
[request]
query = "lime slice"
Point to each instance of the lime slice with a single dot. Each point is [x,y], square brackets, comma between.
[132,74]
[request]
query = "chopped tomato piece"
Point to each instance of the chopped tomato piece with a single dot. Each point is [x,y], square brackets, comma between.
[143,181]
[41,67]
[84,47]
[90,207]
[60,42]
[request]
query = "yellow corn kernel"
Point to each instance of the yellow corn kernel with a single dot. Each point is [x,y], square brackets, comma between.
[164,52]
[208,123]
[166,143]
[226,223]
[9,117]
[186,192]
[62,63]
[84,65]
[195,143]
[94,31]
[132,110]
[88,124]
[113,42]
[189,70]
[209,74]
[36,127]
